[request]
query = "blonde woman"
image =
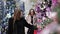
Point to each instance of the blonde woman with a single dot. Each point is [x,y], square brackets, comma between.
[16,23]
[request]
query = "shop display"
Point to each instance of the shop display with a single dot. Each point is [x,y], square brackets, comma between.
[10,5]
[1,10]
[41,11]
[42,8]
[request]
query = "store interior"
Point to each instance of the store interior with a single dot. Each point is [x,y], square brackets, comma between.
[7,10]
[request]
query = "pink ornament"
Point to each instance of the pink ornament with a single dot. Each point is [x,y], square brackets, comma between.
[54,2]
[39,20]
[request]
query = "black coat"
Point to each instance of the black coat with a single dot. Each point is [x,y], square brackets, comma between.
[18,26]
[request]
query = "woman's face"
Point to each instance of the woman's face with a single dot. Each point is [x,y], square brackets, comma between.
[32,12]
[18,14]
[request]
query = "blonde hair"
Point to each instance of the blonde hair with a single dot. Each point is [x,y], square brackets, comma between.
[17,14]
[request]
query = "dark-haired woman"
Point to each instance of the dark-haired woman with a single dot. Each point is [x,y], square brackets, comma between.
[31,19]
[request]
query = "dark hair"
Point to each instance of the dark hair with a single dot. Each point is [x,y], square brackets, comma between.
[30,12]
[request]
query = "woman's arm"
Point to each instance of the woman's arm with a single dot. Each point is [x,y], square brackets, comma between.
[28,25]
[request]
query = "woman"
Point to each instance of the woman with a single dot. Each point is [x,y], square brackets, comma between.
[16,23]
[31,19]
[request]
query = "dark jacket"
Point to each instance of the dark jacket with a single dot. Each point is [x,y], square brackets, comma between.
[18,26]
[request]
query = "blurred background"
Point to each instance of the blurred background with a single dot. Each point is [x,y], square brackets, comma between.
[7,10]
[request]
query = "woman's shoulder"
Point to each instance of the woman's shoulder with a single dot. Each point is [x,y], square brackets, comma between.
[11,18]
[28,16]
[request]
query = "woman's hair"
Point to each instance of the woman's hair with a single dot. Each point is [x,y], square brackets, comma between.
[30,12]
[17,14]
